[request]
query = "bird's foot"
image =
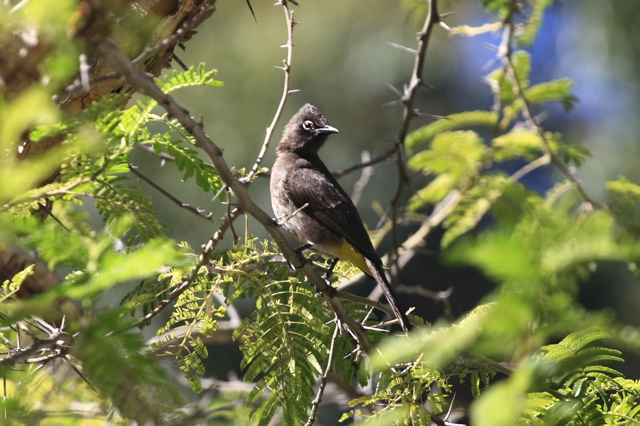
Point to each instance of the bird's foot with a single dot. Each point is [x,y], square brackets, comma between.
[303,261]
[329,290]
[292,268]
[327,274]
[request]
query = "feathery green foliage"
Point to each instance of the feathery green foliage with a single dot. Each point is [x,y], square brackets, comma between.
[529,352]
[93,163]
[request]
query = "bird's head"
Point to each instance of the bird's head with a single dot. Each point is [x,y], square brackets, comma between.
[306,131]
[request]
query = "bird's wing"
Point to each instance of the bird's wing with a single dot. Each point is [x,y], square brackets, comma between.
[329,205]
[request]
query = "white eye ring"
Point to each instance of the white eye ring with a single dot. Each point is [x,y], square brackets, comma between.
[308,125]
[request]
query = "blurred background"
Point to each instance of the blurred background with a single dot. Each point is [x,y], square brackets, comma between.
[344,64]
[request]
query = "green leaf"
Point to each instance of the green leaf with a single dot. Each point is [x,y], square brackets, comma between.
[501,7]
[592,239]
[503,403]
[518,143]
[502,86]
[436,345]
[432,193]
[473,206]
[576,341]
[552,91]
[534,21]
[500,256]
[192,77]
[120,368]
[10,287]
[451,122]
[455,153]
[112,268]
[526,144]
[625,204]
[623,186]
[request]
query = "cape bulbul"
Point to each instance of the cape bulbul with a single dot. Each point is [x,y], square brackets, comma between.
[313,206]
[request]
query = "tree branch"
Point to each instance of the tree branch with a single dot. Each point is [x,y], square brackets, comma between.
[203,259]
[286,67]
[408,100]
[325,375]
[506,52]
[380,158]
[186,206]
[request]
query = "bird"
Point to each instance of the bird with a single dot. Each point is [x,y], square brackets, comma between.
[310,203]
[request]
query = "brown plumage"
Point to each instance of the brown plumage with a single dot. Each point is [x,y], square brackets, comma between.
[330,221]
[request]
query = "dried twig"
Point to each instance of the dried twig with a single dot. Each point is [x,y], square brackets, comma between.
[371,162]
[408,99]
[286,67]
[361,183]
[325,375]
[42,350]
[47,194]
[182,205]
[505,51]
[178,36]
[203,259]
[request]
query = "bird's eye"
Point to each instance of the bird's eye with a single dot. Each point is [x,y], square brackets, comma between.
[308,125]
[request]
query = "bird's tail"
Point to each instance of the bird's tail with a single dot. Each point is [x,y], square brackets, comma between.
[381,279]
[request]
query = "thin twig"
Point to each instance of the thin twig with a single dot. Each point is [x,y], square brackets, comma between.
[361,183]
[47,194]
[380,158]
[84,83]
[439,214]
[441,297]
[403,48]
[442,210]
[42,350]
[203,259]
[182,205]
[527,112]
[284,219]
[408,100]
[79,83]
[229,211]
[84,73]
[178,35]
[286,67]
[325,375]
[363,301]
[529,167]
[162,155]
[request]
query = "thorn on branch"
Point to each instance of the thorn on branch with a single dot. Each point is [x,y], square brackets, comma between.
[84,73]
[251,9]
[432,116]
[394,90]
[179,61]
[403,48]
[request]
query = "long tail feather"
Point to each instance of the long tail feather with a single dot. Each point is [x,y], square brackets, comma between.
[381,279]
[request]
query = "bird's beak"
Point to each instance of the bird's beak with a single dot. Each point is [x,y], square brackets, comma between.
[326,129]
